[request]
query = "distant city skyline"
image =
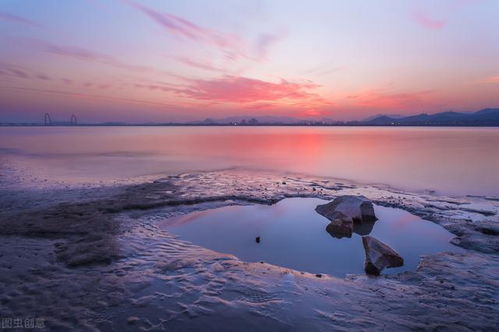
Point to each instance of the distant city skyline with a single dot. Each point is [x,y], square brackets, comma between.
[178,61]
[488,117]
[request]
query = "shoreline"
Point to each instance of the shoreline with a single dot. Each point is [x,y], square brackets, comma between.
[100,250]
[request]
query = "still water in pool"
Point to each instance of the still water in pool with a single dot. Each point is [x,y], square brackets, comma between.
[293,235]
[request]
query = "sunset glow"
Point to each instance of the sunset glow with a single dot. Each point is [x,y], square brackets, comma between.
[138,61]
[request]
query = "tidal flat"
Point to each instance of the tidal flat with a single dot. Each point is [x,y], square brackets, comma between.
[98,258]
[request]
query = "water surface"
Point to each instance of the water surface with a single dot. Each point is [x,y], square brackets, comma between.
[293,235]
[449,160]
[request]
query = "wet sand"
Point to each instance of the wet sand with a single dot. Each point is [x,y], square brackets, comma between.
[97,258]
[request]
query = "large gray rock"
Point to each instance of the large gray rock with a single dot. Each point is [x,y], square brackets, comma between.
[348,214]
[357,208]
[379,256]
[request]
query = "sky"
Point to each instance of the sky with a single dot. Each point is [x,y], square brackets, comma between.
[178,60]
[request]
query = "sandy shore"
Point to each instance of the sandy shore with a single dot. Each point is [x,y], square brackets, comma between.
[96,258]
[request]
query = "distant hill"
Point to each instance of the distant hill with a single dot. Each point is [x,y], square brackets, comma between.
[393,116]
[485,117]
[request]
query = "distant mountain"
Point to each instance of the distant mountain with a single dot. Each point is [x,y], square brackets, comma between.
[381,120]
[485,117]
[393,116]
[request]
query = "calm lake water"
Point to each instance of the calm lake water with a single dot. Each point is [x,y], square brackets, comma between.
[294,235]
[449,160]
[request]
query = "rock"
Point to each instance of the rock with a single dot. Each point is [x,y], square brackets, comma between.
[340,228]
[348,214]
[132,320]
[487,227]
[357,208]
[379,256]
[257,239]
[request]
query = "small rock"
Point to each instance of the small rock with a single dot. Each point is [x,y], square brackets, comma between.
[379,256]
[257,239]
[318,275]
[132,319]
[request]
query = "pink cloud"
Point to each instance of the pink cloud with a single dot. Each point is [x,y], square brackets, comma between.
[259,106]
[246,90]
[378,99]
[312,112]
[427,21]
[491,80]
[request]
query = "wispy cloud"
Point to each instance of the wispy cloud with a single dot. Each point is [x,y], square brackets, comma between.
[17,19]
[491,80]
[189,30]
[425,20]
[323,70]
[232,45]
[84,54]
[13,71]
[264,42]
[16,73]
[247,90]
[77,53]
[206,65]
[90,96]
[43,77]
[392,100]
[89,55]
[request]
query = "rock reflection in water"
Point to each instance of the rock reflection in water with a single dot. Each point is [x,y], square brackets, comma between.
[341,230]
